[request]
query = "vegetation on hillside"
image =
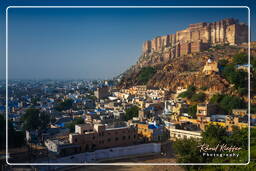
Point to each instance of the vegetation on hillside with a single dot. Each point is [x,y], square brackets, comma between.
[192,95]
[192,111]
[237,77]
[227,102]
[145,74]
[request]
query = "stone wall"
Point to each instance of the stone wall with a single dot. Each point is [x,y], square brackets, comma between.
[200,36]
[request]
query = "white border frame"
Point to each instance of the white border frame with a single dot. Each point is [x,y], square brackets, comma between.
[81,164]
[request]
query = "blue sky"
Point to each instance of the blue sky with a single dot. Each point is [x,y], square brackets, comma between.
[90,43]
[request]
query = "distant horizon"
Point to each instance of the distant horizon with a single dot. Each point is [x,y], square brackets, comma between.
[92,44]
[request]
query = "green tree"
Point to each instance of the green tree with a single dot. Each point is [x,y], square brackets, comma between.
[65,105]
[76,121]
[186,151]
[216,98]
[15,138]
[200,97]
[214,134]
[237,77]
[222,62]
[227,103]
[33,119]
[189,93]
[192,111]
[240,58]
[131,112]
[145,74]
[231,102]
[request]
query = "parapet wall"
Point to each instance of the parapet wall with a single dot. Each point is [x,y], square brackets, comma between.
[200,36]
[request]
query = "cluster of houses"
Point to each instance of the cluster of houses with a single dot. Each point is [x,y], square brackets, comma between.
[102,109]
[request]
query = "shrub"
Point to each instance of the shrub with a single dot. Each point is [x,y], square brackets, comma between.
[200,97]
[145,74]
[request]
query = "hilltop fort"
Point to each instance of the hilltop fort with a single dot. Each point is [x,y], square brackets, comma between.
[189,57]
[196,38]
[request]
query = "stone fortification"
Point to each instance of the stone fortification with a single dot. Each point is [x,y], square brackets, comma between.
[199,37]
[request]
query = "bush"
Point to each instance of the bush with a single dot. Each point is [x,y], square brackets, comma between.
[131,112]
[192,111]
[241,58]
[200,97]
[238,78]
[227,103]
[231,102]
[145,74]
[243,91]
[204,88]
[189,93]
[65,105]
[76,121]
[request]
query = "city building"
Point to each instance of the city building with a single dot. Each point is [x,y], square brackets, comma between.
[101,92]
[61,147]
[210,67]
[97,136]
[150,132]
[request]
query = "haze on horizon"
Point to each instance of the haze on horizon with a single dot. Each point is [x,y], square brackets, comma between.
[92,43]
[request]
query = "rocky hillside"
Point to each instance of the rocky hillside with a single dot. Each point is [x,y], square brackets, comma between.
[183,71]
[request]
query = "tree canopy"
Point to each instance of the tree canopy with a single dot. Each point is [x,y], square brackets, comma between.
[76,121]
[187,150]
[240,58]
[15,138]
[227,102]
[65,105]
[131,112]
[145,74]
[33,119]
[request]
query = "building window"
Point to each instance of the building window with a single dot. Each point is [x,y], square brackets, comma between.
[93,137]
[129,137]
[116,138]
[75,140]
[109,139]
[124,137]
